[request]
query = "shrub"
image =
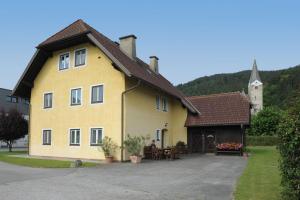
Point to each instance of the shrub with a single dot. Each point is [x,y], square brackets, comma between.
[262,140]
[108,146]
[289,148]
[265,122]
[134,145]
[180,144]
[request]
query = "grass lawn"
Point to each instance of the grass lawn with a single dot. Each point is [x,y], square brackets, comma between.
[261,178]
[38,163]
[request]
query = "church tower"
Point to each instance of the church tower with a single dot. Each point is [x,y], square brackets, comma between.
[255,90]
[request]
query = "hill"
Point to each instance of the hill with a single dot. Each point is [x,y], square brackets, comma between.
[281,87]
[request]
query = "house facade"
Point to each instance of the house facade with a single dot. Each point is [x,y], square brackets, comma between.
[82,86]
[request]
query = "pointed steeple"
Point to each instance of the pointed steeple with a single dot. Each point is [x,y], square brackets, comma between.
[254,74]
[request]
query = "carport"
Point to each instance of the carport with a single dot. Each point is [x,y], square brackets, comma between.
[223,119]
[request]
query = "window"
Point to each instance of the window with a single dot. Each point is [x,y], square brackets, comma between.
[64,61]
[157,102]
[164,104]
[74,137]
[157,135]
[46,137]
[48,100]
[80,56]
[97,94]
[8,98]
[14,99]
[96,136]
[26,101]
[76,96]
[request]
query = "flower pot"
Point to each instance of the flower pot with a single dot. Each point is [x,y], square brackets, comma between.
[136,159]
[109,159]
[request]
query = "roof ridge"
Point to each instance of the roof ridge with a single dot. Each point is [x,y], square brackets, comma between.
[81,23]
[213,95]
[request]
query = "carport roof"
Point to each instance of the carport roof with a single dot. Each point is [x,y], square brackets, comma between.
[220,109]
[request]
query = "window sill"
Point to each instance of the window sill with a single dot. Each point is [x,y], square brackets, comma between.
[95,145]
[47,144]
[74,144]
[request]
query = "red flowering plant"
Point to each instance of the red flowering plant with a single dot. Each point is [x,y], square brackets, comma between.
[229,146]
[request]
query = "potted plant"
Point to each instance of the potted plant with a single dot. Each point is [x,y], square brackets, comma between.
[134,146]
[108,147]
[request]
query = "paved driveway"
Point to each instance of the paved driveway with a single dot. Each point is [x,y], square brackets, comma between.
[203,177]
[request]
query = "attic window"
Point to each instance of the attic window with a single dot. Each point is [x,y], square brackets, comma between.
[80,57]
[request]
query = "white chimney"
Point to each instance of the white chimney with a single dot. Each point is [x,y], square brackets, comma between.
[154,63]
[127,45]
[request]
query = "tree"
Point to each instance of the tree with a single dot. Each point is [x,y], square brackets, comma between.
[12,127]
[266,122]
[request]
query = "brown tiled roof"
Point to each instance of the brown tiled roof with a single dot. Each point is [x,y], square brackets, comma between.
[220,109]
[133,68]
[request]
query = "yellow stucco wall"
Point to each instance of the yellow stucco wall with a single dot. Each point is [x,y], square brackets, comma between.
[62,116]
[142,117]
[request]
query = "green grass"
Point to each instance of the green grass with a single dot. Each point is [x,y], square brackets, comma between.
[37,163]
[261,178]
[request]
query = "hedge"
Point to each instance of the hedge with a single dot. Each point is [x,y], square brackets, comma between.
[262,140]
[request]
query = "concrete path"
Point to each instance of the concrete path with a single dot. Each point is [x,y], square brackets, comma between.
[203,177]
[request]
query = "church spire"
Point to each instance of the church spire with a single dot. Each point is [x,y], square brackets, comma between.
[254,74]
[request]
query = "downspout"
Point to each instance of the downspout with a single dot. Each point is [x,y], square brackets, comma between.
[122,116]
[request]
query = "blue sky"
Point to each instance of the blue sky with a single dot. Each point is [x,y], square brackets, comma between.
[191,38]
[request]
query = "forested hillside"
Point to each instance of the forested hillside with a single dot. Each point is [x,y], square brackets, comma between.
[281,88]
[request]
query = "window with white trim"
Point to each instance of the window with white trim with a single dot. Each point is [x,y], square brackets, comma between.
[64,61]
[48,100]
[164,104]
[74,137]
[96,136]
[157,135]
[76,97]
[97,94]
[157,99]
[46,137]
[80,57]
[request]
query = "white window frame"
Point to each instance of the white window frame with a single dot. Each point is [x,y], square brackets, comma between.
[91,94]
[164,104]
[52,95]
[49,142]
[157,135]
[69,135]
[81,99]
[157,102]
[59,56]
[97,138]
[86,56]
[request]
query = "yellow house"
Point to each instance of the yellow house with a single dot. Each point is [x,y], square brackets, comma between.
[83,86]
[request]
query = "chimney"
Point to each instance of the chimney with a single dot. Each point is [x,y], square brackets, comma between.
[154,63]
[127,45]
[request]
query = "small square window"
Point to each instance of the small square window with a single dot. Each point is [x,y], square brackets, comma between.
[64,61]
[76,97]
[80,57]
[48,100]
[8,98]
[74,137]
[96,136]
[46,137]
[97,94]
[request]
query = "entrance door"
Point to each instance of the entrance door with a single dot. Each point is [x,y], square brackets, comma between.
[210,143]
[196,142]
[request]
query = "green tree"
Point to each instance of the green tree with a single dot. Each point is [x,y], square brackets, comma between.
[266,122]
[13,126]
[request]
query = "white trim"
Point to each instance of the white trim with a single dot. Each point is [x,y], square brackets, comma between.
[167,104]
[62,70]
[43,102]
[90,130]
[86,56]
[159,102]
[51,141]
[91,93]
[69,135]
[70,97]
